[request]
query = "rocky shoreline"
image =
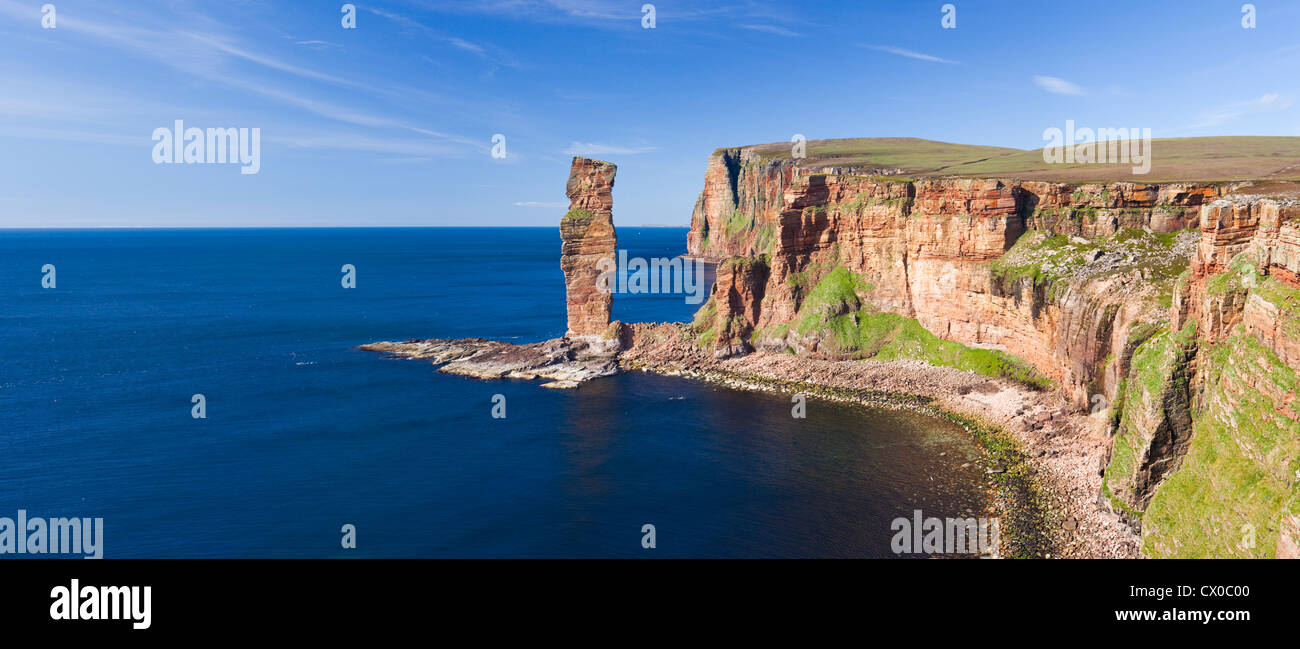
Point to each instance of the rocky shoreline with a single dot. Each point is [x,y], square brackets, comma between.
[1046,454]
[1062,450]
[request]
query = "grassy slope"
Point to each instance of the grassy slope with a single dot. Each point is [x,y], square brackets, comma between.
[1151,376]
[833,307]
[1207,159]
[1241,473]
[1239,476]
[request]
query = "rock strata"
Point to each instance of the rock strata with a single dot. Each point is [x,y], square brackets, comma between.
[564,360]
[589,246]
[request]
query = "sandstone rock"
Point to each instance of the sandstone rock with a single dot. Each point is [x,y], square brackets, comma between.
[561,359]
[589,246]
[737,293]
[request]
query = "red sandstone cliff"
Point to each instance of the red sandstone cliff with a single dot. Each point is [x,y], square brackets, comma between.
[925,247]
[1075,280]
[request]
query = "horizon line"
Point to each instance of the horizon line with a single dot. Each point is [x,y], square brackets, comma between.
[302,227]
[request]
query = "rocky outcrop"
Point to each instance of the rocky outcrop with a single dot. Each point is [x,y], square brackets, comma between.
[1155,424]
[588,246]
[565,362]
[736,213]
[737,294]
[1099,210]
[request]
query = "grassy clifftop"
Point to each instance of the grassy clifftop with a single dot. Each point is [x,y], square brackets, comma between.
[1200,159]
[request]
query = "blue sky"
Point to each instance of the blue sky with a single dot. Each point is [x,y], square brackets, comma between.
[391,123]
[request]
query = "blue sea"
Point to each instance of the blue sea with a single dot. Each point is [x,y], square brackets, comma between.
[304,433]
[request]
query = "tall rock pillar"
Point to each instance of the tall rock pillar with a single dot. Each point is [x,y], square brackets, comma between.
[587,232]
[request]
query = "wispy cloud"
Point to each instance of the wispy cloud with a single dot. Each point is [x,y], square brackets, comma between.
[406,147]
[316,45]
[908,53]
[538,204]
[591,13]
[593,148]
[772,29]
[204,56]
[1057,85]
[490,53]
[467,46]
[1269,103]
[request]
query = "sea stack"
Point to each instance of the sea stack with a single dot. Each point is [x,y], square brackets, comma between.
[587,232]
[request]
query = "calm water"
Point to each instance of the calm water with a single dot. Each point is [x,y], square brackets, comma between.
[304,433]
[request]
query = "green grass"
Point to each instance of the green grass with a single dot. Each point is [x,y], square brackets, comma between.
[1241,467]
[706,315]
[1030,252]
[834,306]
[1151,376]
[836,292]
[804,280]
[907,153]
[707,338]
[1203,159]
[1234,278]
[736,223]
[578,214]
[1045,258]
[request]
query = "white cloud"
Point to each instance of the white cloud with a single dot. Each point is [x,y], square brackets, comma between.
[771,29]
[593,148]
[1267,103]
[908,53]
[1057,85]
[466,45]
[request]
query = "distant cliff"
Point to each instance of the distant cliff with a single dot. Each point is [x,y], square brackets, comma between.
[1168,309]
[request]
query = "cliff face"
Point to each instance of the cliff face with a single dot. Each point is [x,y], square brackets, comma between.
[587,234]
[738,210]
[939,251]
[1185,343]
[1236,490]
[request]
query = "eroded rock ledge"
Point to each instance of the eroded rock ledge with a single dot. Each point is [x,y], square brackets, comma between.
[565,361]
